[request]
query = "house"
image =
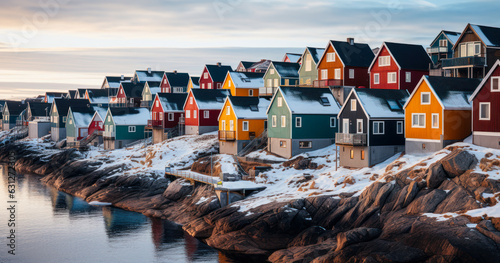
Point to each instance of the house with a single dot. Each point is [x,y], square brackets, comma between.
[80,93]
[442,46]
[58,116]
[37,116]
[486,110]
[245,84]
[371,126]
[213,76]
[129,94]
[96,125]
[344,63]
[475,52]
[175,82]
[201,110]
[77,124]
[71,94]
[292,58]
[167,112]
[97,97]
[243,66]
[308,73]
[147,75]
[50,96]
[399,66]
[10,114]
[194,83]
[123,126]
[280,74]
[438,113]
[241,120]
[301,120]
[112,84]
[151,88]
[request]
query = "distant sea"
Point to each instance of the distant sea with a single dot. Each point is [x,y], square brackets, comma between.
[27,73]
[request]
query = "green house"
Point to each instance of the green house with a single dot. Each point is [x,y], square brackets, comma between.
[123,126]
[308,72]
[301,120]
[151,88]
[59,113]
[77,124]
[280,74]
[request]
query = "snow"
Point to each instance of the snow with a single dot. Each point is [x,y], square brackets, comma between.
[441,217]
[140,116]
[300,103]
[143,75]
[245,112]
[377,107]
[227,164]
[261,154]
[202,200]
[241,80]
[97,203]
[239,185]
[82,119]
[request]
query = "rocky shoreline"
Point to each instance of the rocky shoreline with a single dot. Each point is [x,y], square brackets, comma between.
[382,224]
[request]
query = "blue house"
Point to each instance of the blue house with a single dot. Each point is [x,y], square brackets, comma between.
[442,46]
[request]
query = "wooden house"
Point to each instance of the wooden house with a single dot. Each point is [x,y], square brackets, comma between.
[129,95]
[96,125]
[475,52]
[97,97]
[151,88]
[371,126]
[244,84]
[442,47]
[194,83]
[167,112]
[486,110]
[254,67]
[147,75]
[244,66]
[175,82]
[399,66]
[123,126]
[10,114]
[201,110]
[112,84]
[50,96]
[213,76]
[344,63]
[280,74]
[308,73]
[77,124]
[80,93]
[301,120]
[242,120]
[71,94]
[292,58]
[37,116]
[438,113]
[59,113]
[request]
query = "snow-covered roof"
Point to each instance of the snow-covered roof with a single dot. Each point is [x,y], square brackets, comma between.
[382,103]
[172,101]
[114,82]
[98,96]
[82,116]
[154,87]
[454,93]
[101,111]
[293,57]
[247,80]
[249,107]
[210,99]
[130,116]
[261,65]
[452,36]
[310,100]
[489,35]
[287,69]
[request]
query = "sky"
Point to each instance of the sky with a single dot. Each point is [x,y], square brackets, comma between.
[62,44]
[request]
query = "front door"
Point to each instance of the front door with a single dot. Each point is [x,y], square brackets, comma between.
[345,125]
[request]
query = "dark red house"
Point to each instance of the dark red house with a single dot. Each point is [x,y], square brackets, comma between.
[213,76]
[486,110]
[399,66]
[166,113]
[202,108]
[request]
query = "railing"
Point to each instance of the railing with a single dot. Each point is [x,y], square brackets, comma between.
[227,135]
[142,141]
[256,143]
[267,91]
[146,103]
[182,120]
[206,179]
[432,50]
[155,123]
[350,139]
[464,61]
[325,83]
[121,105]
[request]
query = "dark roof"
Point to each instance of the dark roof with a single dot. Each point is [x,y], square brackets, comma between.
[98,95]
[247,64]
[57,94]
[154,84]
[196,80]
[243,101]
[261,65]
[83,109]
[81,92]
[287,69]
[144,75]
[492,34]
[210,98]
[39,108]
[64,104]
[133,90]
[316,53]
[72,93]
[177,79]
[448,88]
[117,79]
[357,55]
[15,107]
[172,101]
[409,56]
[218,73]
[309,100]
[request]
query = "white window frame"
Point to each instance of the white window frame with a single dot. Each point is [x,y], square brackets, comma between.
[229,84]
[171,116]
[205,75]
[498,84]
[376,78]
[418,125]
[435,115]
[351,73]
[206,114]
[463,50]
[354,105]
[250,92]
[308,63]
[379,124]
[445,41]
[298,122]
[324,74]
[276,83]
[334,121]
[338,73]
[359,124]
[384,61]
[392,77]
[398,130]
[283,121]
[188,114]
[228,110]
[408,77]
[157,104]
[481,111]
[195,114]
[330,57]
[245,126]
[422,98]
[274,121]
[202,85]
[209,85]
[132,129]
[280,101]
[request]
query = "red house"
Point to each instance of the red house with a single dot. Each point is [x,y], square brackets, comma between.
[202,108]
[166,113]
[97,125]
[399,66]
[174,82]
[486,110]
[213,76]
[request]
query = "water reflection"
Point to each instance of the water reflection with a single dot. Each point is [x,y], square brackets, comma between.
[119,222]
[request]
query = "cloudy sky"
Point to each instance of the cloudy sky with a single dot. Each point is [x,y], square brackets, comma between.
[61,44]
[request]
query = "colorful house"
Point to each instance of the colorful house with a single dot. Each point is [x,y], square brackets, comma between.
[371,126]
[308,73]
[96,125]
[292,58]
[175,82]
[301,120]
[97,97]
[243,66]
[244,84]
[151,88]
[58,116]
[123,126]
[167,113]
[438,113]
[344,64]
[242,120]
[486,110]
[202,108]
[280,74]
[129,94]
[10,114]
[475,52]
[194,83]
[147,75]
[213,76]
[442,46]
[112,84]
[255,67]
[77,124]
[399,66]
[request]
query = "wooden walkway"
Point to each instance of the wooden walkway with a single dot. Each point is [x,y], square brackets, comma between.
[192,176]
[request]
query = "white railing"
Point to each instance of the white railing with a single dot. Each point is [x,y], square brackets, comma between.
[432,50]
[207,179]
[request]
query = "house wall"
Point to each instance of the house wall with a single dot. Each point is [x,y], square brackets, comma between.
[345,159]
[204,81]
[165,85]
[457,125]
[57,134]
[123,134]
[485,95]
[278,131]
[382,71]
[435,57]
[268,76]
[242,92]
[314,127]
[416,75]
[352,116]
[361,77]
[330,66]
[232,147]
[96,125]
[280,146]
[191,107]
[414,106]
[416,146]
[256,126]
[467,36]
[38,129]
[390,136]
[158,135]
[171,124]
[306,78]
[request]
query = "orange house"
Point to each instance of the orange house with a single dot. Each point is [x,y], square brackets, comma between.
[438,113]
[243,84]
[242,121]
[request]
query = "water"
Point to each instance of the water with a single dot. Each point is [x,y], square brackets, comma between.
[54,227]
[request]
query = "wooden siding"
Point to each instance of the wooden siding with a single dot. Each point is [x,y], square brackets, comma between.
[96,125]
[330,66]
[278,131]
[314,126]
[353,116]
[382,71]
[242,92]
[467,36]
[390,136]
[485,95]
[361,77]
[272,77]
[457,124]
[256,126]
[165,85]
[191,107]
[205,81]
[307,78]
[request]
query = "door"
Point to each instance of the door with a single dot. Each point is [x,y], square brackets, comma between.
[231,125]
[345,125]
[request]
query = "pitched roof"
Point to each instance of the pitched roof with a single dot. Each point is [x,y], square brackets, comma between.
[133,90]
[195,80]
[249,107]
[154,86]
[72,94]
[64,104]
[98,96]
[15,107]
[355,55]
[450,35]
[210,99]
[287,69]
[316,53]
[101,111]
[130,116]
[409,56]
[485,79]
[247,64]
[294,57]
[177,79]
[114,82]
[218,72]
[382,103]
[247,79]
[172,101]
[453,92]
[261,65]
[144,75]
[489,35]
[39,109]
[81,92]
[51,95]
[82,116]
[309,100]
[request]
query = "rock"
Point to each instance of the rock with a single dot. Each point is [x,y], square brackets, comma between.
[199,228]
[344,206]
[178,189]
[435,175]
[320,207]
[458,162]
[355,236]
[426,203]
[486,228]
[301,253]
[406,196]
[382,195]
[457,199]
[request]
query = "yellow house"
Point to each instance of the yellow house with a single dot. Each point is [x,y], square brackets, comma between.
[242,121]
[244,84]
[194,83]
[438,113]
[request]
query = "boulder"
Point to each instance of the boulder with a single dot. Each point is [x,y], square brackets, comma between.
[426,203]
[301,253]
[435,175]
[178,189]
[355,236]
[458,162]
[458,199]
[486,228]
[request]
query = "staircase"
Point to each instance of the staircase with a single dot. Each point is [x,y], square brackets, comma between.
[256,143]
[241,171]
[85,141]
[173,132]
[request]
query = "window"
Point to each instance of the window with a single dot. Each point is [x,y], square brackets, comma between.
[229,83]
[287,82]
[391,77]
[188,114]
[202,85]
[352,154]
[376,78]
[64,119]
[191,100]
[325,101]
[484,111]
[276,83]
[271,71]
[435,121]
[333,122]
[231,125]
[338,73]
[205,75]
[305,144]
[165,81]
[206,114]
[495,84]
[70,121]
[209,86]
[170,116]
[250,93]
[219,85]
[477,49]
[228,110]
[378,127]
[384,61]
[245,126]
[351,73]
[195,114]
[324,74]
[283,121]
[362,154]
[280,101]
[353,105]
[131,128]
[330,57]
[283,144]
[408,76]
[157,104]
[308,63]
[223,125]
[443,43]
[418,120]
[359,126]
[161,116]
[109,118]
[298,122]
[425,98]
[463,50]
[399,127]
[269,83]
[273,121]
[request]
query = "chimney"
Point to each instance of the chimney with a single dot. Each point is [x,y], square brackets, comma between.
[350,41]
[175,71]
[149,70]
[219,64]
[123,77]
